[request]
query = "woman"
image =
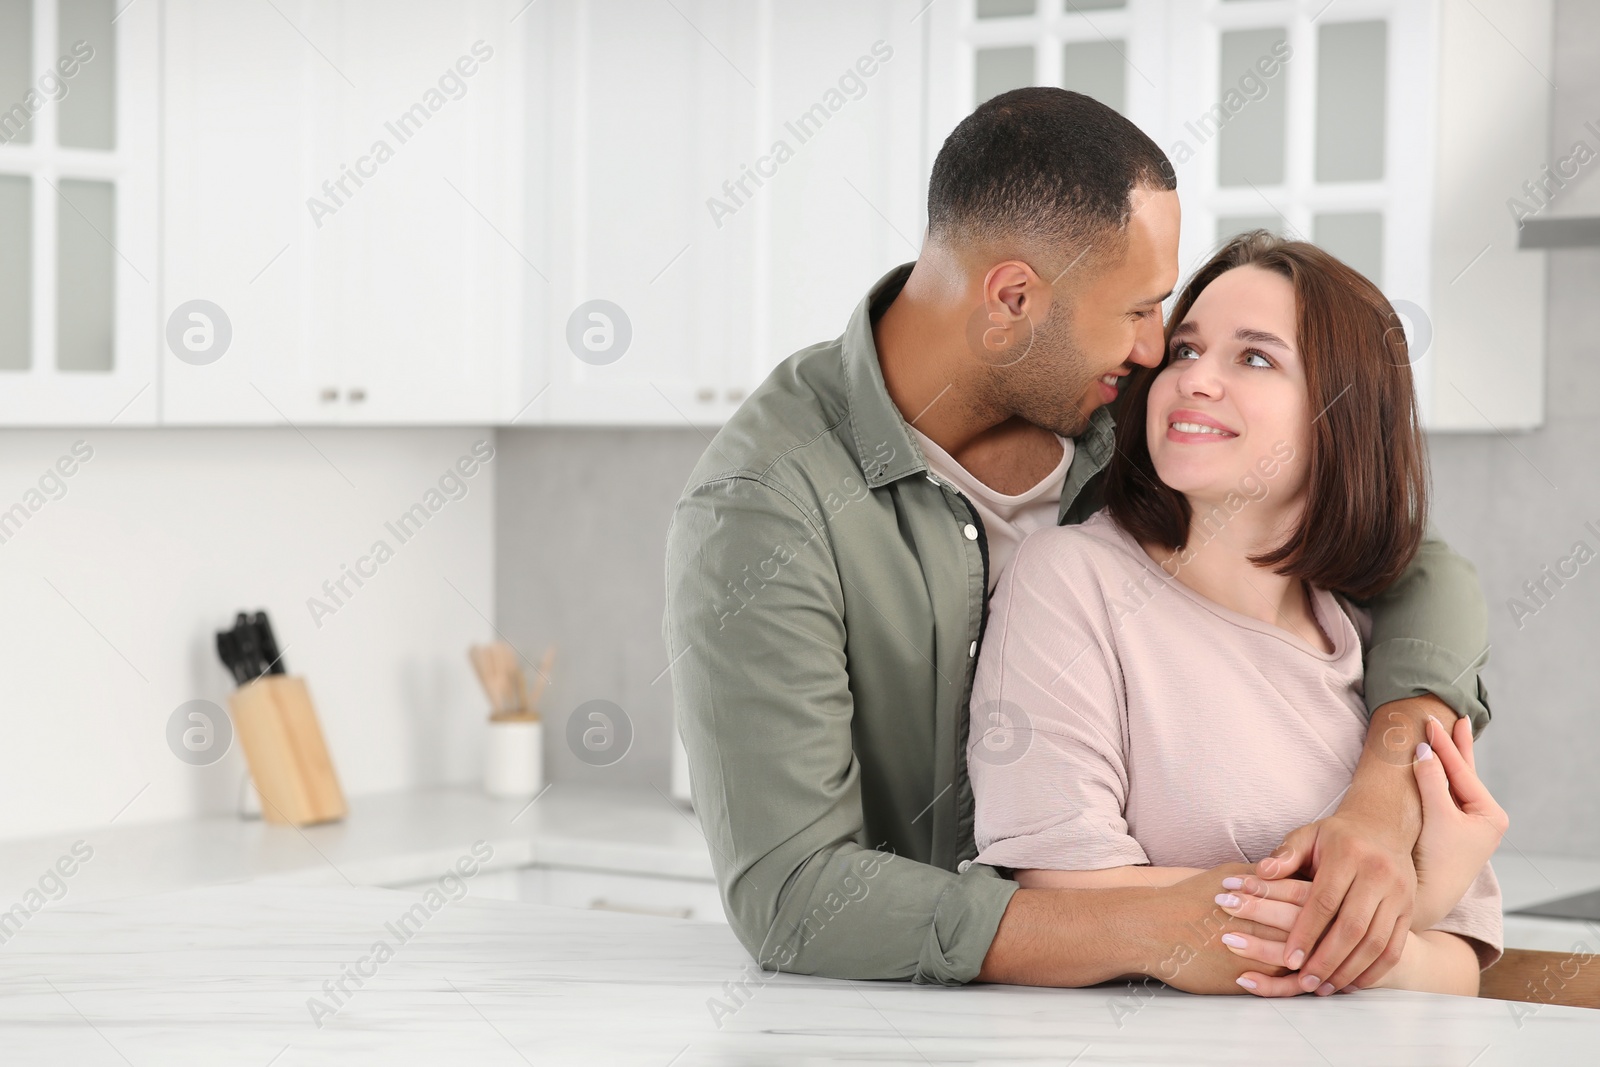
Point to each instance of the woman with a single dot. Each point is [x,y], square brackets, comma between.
[1177,683]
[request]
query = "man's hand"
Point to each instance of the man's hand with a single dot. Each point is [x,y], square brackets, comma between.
[1352,929]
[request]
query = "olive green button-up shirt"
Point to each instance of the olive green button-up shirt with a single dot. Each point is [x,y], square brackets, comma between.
[825,601]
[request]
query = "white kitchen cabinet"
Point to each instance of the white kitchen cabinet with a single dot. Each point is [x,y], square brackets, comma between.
[343,181]
[1390,132]
[78,240]
[731,177]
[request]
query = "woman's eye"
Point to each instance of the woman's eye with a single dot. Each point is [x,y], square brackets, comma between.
[1256,359]
[1182,351]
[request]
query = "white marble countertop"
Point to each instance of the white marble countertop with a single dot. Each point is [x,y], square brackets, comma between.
[398,838]
[386,840]
[227,975]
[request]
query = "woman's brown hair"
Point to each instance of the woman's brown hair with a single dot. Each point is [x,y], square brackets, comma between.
[1366,487]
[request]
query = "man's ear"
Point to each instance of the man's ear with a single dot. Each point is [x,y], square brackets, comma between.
[1012,284]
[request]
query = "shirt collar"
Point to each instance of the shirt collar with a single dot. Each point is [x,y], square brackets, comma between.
[884,448]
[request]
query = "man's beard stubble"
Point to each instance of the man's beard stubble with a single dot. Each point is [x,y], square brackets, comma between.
[1049,384]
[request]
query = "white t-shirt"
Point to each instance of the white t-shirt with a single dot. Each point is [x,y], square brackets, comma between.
[1006,519]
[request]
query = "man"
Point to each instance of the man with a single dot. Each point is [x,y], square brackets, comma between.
[829,563]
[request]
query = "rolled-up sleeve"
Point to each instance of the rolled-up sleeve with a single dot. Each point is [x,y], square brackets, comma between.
[761,691]
[1430,635]
[1054,798]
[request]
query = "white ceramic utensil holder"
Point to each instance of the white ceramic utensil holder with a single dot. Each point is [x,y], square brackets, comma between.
[514,760]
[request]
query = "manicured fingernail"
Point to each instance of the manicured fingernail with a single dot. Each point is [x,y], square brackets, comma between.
[1227,900]
[1247,983]
[1235,940]
[1424,751]
[1296,958]
[1436,722]
[1233,883]
[1325,989]
[1310,982]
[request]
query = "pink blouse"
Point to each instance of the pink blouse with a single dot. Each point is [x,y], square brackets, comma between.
[1119,717]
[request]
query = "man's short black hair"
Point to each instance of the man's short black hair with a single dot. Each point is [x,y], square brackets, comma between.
[1049,166]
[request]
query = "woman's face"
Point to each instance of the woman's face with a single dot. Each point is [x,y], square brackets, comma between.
[1229,412]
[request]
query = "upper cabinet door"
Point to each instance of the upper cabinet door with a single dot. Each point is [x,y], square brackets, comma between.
[419,207]
[722,184]
[241,116]
[642,110]
[841,135]
[78,242]
[343,194]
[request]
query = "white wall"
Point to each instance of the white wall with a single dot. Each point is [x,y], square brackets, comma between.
[159,538]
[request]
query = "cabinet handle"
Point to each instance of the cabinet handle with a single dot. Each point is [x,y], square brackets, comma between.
[357,395]
[706,396]
[328,396]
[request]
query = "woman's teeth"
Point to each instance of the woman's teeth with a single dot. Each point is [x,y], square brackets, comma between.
[1195,427]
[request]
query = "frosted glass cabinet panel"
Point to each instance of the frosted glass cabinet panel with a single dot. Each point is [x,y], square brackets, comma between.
[1352,60]
[16,68]
[87,115]
[1355,237]
[1000,9]
[999,70]
[1232,225]
[1097,69]
[16,282]
[86,287]
[1251,144]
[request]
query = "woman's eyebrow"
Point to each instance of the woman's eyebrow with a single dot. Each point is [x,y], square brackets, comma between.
[1188,328]
[1260,337]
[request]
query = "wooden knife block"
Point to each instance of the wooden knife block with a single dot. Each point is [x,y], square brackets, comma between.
[277,727]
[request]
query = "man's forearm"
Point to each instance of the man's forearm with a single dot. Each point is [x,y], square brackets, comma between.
[1106,878]
[1384,786]
[1070,937]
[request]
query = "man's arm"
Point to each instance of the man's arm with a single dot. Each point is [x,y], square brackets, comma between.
[1078,937]
[1105,878]
[761,690]
[1430,635]
[1428,641]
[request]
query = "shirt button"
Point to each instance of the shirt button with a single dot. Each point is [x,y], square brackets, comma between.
[972,650]
[971,531]
[961,868]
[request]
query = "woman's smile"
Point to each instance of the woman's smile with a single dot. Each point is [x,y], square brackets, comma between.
[1189,427]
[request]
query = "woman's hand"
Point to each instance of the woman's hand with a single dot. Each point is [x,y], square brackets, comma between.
[1274,903]
[1461,823]
[1461,828]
